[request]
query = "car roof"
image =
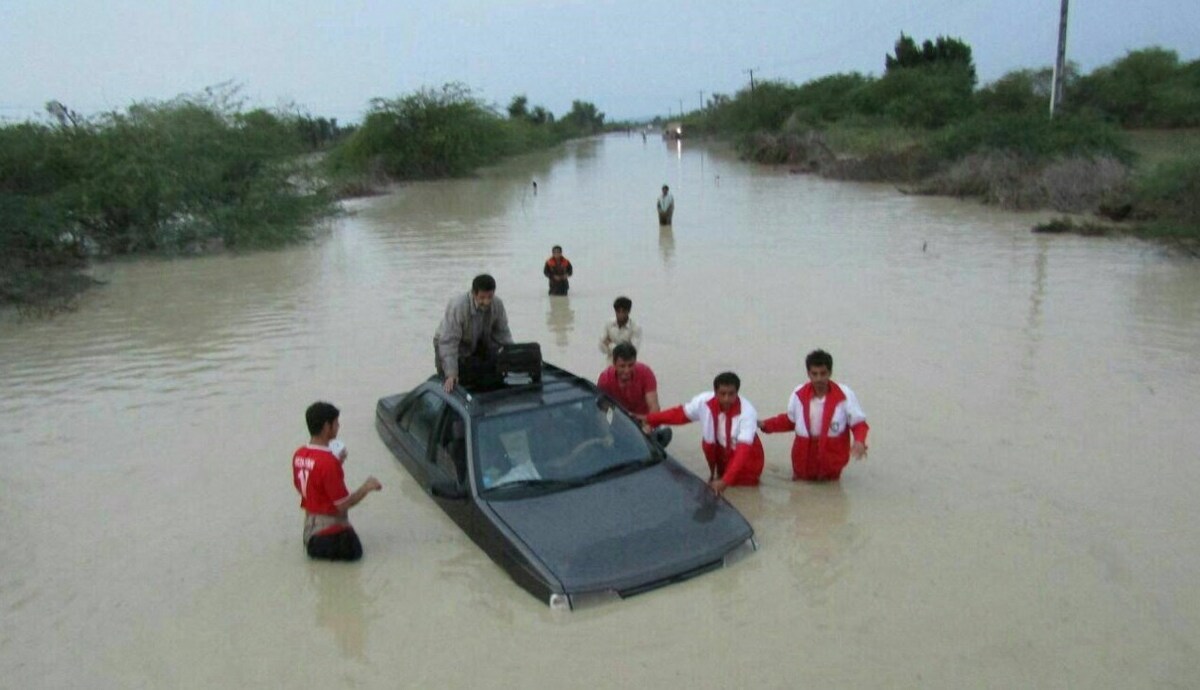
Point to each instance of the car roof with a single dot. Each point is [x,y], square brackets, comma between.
[519,392]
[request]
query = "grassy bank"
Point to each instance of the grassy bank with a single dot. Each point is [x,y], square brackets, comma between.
[190,175]
[446,132]
[925,125]
[198,174]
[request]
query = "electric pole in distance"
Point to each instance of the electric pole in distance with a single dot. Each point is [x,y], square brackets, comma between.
[751,71]
[1060,64]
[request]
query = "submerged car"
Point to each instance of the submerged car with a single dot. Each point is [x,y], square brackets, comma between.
[560,487]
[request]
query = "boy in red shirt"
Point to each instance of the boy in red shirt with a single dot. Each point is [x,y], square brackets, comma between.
[317,475]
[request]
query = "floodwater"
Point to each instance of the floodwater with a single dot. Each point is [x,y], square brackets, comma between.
[1027,516]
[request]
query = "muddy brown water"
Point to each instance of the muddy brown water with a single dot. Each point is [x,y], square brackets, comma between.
[1027,516]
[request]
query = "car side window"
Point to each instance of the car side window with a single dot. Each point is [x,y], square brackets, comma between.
[450,453]
[422,417]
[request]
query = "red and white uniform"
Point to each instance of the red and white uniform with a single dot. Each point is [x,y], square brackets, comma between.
[824,429]
[317,475]
[729,440]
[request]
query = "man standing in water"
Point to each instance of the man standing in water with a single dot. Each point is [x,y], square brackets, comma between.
[629,382]
[829,424]
[557,270]
[474,327]
[317,475]
[729,433]
[666,206]
[621,329]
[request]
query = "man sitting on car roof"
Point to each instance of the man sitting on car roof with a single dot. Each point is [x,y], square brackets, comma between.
[474,326]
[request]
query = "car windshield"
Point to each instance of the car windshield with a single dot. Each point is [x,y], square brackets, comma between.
[558,447]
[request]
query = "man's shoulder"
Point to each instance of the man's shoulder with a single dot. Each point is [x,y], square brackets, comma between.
[643,369]
[317,454]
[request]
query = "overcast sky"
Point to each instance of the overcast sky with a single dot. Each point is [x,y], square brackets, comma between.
[632,58]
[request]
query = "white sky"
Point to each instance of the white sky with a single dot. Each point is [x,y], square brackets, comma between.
[632,58]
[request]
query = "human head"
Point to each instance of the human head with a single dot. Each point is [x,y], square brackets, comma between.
[819,364]
[483,289]
[665,189]
[322,418]
[556,250]
[622,306]
[726,386]
[624,358]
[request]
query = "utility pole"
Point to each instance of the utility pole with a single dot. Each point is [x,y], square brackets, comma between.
[751,71]
[1060,64]
[702,100]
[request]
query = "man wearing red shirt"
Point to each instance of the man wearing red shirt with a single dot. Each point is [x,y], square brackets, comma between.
[317,475]
[629,382]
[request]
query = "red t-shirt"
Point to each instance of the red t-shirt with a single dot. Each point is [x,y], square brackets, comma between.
[318,477]
[633,395]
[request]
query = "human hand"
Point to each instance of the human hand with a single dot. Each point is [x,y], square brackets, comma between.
[761,427]
[717,486]
[448,384]
[372,484]
[858,450]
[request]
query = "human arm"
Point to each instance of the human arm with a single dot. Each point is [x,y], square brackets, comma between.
[344,505]
[500,331]
[779,422]
[674,416]
[652,401]
[449,336]
[857,420]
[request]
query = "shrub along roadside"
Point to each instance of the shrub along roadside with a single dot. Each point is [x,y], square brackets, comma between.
[446,132]
[189,175]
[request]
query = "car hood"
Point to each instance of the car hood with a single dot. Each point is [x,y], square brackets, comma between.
[627,533]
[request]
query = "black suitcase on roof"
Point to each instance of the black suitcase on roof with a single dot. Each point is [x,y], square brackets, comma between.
[521,359]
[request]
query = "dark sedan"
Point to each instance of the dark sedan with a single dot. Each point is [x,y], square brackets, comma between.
[561,488]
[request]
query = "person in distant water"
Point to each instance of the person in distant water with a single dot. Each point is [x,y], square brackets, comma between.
[557,270]
[474,327]
[317,475]
[621,329]
[729,434]
[629,382]
[666,206]
[829,424]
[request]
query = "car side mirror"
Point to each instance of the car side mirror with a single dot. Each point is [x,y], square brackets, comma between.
[662,436]
[445,488]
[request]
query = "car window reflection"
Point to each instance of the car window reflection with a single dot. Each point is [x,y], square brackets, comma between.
[565,443]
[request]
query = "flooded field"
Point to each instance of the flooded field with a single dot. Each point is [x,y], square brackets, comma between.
[1027,516]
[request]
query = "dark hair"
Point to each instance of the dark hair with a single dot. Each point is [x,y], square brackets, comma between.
[557,246]
[483,283]
[318,415]
[625,352]
[727,378]
[666,187]
[818,358]
[623,303]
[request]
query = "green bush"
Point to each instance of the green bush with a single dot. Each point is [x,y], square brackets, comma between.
[444,132]
[185,175]
[1032,136]
[1170,193]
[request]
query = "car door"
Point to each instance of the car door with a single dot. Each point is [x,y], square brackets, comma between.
[448,458]
[416,425]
